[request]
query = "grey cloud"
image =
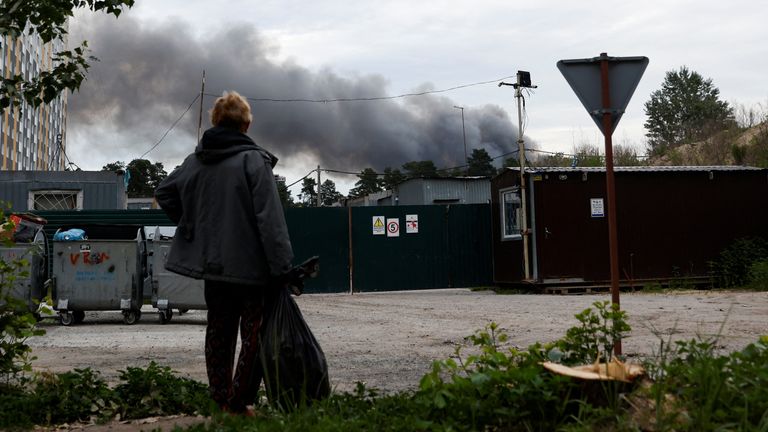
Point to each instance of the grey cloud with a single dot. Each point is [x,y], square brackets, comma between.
[148,74]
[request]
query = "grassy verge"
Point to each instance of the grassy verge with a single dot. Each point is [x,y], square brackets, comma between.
[495,388]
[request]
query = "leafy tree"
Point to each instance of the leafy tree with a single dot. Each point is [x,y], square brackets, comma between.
[368,183]
[415,169]
[480,163]
[392,177]
[511,161]
[588,156]
[328,193]
[308,192]
[145,176]
[625,156]
[118,167]
[686,108]
[559,159]
[49,20]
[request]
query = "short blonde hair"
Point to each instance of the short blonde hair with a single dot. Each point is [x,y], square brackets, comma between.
[231,110]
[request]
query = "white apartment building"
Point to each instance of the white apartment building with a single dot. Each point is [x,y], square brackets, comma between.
[31,138]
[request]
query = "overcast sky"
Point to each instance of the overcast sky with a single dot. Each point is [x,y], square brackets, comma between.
[153,56]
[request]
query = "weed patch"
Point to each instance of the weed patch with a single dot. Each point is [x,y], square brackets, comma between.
[486,385]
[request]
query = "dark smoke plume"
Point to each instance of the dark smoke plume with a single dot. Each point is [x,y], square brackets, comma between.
[148,74]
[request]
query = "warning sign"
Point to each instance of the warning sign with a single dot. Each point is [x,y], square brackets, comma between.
[596,207]
[378,225]
[411,224]
[393,227]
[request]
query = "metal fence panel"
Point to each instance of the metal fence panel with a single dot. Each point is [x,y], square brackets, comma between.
[470,262]
[325,232]
[451,248]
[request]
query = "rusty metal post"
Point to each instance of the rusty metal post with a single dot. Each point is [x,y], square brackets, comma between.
[610,188]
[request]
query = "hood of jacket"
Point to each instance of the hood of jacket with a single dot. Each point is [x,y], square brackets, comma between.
[219,143]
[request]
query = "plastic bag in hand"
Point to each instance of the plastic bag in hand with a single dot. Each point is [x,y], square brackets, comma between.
[294,366]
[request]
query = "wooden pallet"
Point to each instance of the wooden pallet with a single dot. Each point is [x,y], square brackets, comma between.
[577,290]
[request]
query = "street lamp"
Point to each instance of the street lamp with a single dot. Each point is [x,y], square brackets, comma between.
[464,133]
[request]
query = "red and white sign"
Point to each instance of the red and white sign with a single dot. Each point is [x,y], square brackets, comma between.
[393,227]
[412,224]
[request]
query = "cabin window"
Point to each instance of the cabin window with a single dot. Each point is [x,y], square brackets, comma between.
[510,214]
[55,200]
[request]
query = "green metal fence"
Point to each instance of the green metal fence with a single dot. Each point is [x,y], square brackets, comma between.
[325,232]
[447,246]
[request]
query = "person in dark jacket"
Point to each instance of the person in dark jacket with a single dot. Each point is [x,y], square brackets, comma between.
[231,233]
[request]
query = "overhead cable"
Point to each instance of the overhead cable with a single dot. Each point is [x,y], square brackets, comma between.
[172,126]
[373,98]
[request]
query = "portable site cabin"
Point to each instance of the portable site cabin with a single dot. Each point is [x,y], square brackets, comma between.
[62,190]
[430,191]
[671,222]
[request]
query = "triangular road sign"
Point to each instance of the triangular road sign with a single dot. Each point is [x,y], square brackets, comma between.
[584,77]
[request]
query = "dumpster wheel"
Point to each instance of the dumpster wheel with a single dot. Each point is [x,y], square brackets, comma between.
[66,318]
[132,316]
[165,316]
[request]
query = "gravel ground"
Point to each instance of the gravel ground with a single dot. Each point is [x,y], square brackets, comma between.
[388,340]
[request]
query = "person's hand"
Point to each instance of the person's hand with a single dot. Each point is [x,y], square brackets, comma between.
[290,282]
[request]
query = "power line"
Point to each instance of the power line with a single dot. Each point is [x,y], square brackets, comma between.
[376,98]
[308,174]
[171,128]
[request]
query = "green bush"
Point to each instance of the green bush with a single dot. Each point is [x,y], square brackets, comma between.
[15,409]
[595,337]
[758,275]
[734,264]
[80,395]
[714,392]
[83,396]
[156,391]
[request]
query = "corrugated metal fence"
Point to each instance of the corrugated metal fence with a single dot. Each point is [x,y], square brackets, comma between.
[449,246]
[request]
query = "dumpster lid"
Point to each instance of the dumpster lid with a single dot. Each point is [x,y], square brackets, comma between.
[109,232]
[159,232]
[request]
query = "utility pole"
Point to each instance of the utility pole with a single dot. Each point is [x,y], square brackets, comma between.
[200,117]
[464,134]
[523,81]
[319,198]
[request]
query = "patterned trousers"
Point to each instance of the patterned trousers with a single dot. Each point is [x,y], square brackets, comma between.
[231,306]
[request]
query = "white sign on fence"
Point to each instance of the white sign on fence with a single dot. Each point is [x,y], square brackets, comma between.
[412,224]
[378,225]
[597,207]
[393,227]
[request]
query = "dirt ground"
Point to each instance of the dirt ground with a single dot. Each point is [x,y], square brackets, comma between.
[388,340]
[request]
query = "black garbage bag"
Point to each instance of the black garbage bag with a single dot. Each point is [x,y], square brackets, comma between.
[293,364]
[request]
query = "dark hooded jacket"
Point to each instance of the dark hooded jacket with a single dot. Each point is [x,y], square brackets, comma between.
[224,200]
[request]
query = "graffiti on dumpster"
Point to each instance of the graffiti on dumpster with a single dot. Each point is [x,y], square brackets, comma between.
[89,258]
[100,276]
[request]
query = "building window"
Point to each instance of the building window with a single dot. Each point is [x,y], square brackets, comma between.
[55,200]
[510,214]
